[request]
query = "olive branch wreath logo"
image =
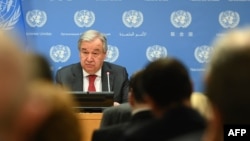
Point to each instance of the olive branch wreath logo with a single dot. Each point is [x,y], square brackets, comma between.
[8,25]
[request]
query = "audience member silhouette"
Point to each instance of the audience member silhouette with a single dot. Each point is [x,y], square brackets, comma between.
[45,114]
[39,67]
[31,110]
[227,82]
[116,115]
[140,112]
[13,74]
[168,89]
[122,113]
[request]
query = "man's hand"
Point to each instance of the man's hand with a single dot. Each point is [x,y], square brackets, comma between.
[116,103]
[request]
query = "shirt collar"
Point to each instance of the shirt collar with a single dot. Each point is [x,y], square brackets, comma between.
[98,73]
[140,110]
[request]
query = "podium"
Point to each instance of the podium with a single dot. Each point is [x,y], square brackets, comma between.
[90,107]
[89,122]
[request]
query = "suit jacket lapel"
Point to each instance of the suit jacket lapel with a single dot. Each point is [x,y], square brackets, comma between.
[106,69]
[77,80]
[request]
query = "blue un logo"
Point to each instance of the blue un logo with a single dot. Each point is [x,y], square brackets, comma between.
[181,19]
[9,13]
[60,53]
[36,18]
[156,52]
[132,18]
[84,18]
[203,53]
[112,54]
[229,19]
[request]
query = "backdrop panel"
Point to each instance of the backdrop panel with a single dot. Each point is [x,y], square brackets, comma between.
[138,31]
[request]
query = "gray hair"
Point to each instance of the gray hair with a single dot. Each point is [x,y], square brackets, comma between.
[228,78]
[234,38]
[90,35]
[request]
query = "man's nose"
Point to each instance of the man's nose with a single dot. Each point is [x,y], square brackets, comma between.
[90,57]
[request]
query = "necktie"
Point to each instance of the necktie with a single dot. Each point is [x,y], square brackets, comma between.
[91,87]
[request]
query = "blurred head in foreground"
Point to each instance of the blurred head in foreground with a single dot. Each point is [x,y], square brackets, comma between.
[39,67]
[46,114]
[31,109]
[227,81]
[13,74]
[136,93]
[167,84]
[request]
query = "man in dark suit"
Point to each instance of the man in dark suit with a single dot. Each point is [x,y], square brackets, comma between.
[116,115]
[92,47]
[167,90]
[140,113]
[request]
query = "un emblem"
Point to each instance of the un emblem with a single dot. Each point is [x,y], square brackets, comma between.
[181,19]
[112,54]
[156,52]
[84,18]
[132,18]
[203,53]
[9,13]
[229,19]
[60,53]
[36,18]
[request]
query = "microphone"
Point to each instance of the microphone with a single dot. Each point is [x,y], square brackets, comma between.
[108,82]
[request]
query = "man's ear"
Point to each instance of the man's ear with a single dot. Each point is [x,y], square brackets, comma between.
[156,110]
[131,98]
[206,79]
[149,101]
[152,104]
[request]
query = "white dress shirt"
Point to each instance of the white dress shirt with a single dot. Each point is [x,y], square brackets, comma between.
[98,82]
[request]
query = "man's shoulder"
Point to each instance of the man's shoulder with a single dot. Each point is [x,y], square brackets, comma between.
[69,67]
[120,108]
[113,66]
[115,128]
[112,132]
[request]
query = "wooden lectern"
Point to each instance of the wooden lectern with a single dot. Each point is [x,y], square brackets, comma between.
[89,122]
[91,105]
